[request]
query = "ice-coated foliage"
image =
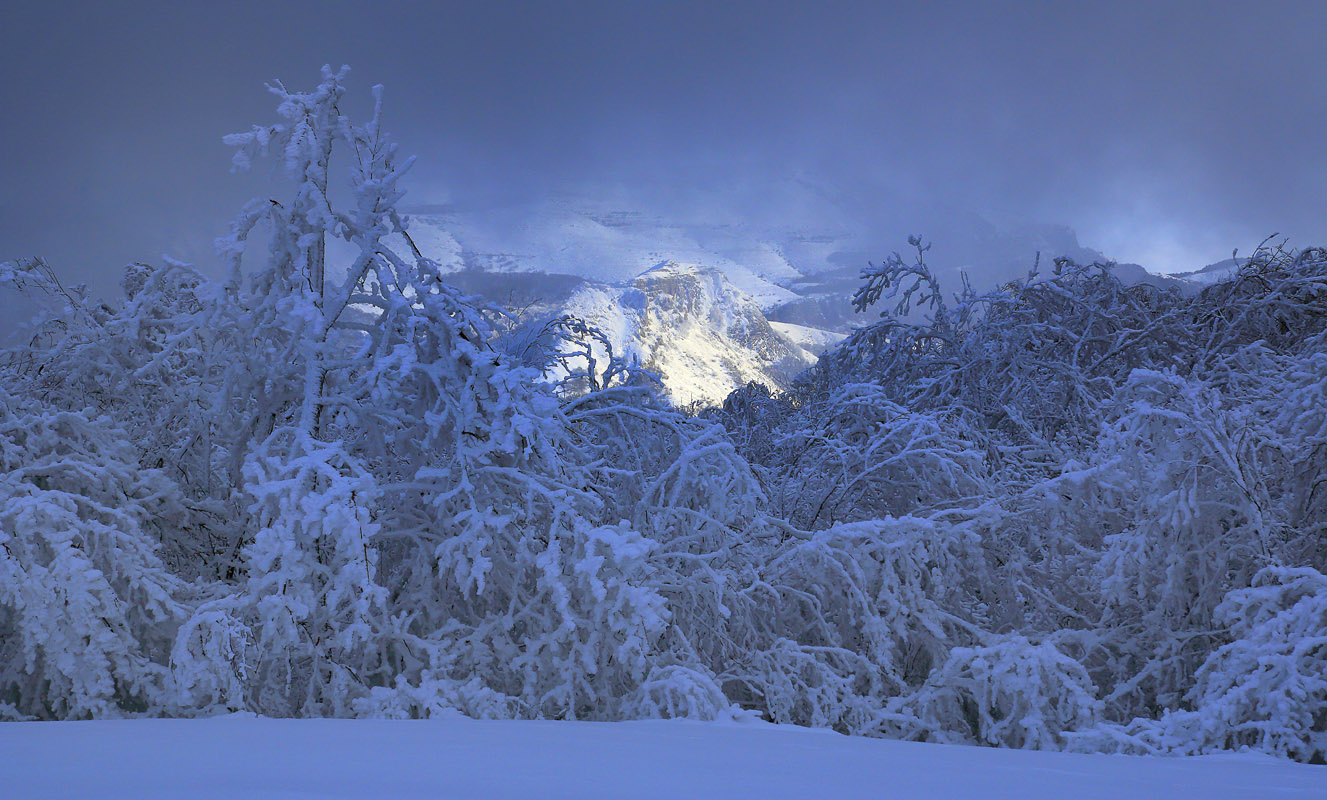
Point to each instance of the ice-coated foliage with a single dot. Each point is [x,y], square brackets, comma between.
[316,613]
[87,607]
[1068,513]
[1122,461]
[1267,688]
[1187,475]
[676,692]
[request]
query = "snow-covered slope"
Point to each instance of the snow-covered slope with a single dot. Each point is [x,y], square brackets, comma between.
[1210,274]
[813,340]
[692,326]
[316,759]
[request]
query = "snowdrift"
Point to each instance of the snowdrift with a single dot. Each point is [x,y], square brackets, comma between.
[255,758]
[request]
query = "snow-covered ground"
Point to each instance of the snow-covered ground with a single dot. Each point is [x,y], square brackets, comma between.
[246,757]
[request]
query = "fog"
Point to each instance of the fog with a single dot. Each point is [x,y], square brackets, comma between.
[1164,134]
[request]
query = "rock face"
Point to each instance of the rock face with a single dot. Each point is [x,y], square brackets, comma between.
[689,324]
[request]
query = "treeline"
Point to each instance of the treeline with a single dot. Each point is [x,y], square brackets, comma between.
[1066,514]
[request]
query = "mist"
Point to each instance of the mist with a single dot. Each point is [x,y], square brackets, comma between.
[1163,134]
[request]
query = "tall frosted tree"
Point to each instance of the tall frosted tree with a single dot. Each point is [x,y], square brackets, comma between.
[310,602]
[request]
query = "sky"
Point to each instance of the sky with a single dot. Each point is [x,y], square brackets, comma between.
[1164,133]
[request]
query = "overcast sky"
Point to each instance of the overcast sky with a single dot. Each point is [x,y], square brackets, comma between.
[1165,134]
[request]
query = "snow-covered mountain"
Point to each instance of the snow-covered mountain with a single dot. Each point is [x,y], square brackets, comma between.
[688,323]
[692,326]
[799,265]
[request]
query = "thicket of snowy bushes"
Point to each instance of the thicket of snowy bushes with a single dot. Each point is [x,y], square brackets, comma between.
[1065,514]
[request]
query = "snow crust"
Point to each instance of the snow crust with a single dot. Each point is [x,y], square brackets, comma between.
[242,756]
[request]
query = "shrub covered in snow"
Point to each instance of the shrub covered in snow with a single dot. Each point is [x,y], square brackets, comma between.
[1267,688]
[87,607]
[1008,694]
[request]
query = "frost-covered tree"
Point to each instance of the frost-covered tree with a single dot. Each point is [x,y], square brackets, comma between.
[154,362]
[503,575]
[1190,478]
[1009,693]
[316,610]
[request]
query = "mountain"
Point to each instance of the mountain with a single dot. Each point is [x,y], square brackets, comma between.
[688,323]
[692,326]
[713,297]
[800,262]
[1136,273]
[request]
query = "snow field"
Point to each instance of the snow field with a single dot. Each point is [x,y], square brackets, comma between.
[243,756]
